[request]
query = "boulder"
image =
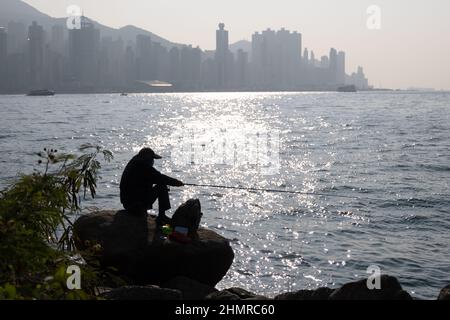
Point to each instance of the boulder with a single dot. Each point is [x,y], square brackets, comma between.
[241,293]
[256,298]
[390,290]
[307,295]
[445,293]
[222,295]
[234,294]
[138,250]
[142,293]
[188,216]
[191,289]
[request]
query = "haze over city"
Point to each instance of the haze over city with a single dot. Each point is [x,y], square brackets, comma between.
[408,50]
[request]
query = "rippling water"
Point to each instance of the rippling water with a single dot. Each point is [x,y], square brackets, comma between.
[393,147]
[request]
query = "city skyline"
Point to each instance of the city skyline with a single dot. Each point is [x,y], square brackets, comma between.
[391,56]
[77,57]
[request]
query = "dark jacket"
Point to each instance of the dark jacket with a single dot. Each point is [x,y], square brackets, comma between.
[138,179]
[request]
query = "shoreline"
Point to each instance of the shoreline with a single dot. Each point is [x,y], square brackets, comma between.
[69,92]
[185,289]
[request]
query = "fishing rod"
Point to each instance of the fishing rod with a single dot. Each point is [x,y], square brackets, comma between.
[280,191]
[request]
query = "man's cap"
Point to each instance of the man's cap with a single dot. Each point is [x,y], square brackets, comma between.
[149,153]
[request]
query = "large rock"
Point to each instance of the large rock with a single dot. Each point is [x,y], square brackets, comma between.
[390,290]
[234,293]
[306,295]
[445,293]
[142,293]
[224,295]
[191,289]
[136,248]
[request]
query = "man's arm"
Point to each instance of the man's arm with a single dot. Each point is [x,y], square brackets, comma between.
[158,178]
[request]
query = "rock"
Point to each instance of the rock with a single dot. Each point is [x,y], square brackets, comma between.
[241,293]
[135,247]
[142,293]
[445,293]
[256,298]
[191,289]
[390,290]
[307,295]
[222,295]
[322,293]
[188,215]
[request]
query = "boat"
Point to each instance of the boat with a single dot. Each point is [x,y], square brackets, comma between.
[45,92]
[350,88]
[124,94]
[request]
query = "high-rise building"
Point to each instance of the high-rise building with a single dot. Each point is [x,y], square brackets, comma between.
[57,39]
[306,56]
[3,44]
[313,59]
[190,65]
[143,57]
[36,46]
[111,55]
[174,67]
[130,65]
[222,56]
[3,57]
[159,61]
[276,59]
[241,79]
[340,75]
[358,79]
[17,37]
[84,49]
[324,62]
[333,67]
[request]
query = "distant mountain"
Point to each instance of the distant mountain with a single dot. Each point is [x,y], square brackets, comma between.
[243,44]
[129,33]
[19,11]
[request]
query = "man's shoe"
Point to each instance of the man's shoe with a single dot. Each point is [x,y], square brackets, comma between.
[163,220]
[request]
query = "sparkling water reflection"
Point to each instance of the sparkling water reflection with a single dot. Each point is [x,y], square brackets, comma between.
[391,146]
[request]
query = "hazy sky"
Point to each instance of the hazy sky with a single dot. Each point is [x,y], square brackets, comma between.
[411,49]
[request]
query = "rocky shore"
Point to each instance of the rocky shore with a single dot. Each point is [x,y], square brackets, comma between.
[155,267]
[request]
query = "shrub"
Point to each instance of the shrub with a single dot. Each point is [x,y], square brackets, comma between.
[36,244]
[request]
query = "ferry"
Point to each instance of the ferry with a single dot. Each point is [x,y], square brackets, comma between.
[350,88]
[45,92]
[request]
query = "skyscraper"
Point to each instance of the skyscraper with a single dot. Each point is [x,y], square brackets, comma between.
[130,65]
[358,79]
[3,56]
[174,66]
[3,44]
[324,62]
[276,59]
[222,56]
[333,67]
[57,39]
[241,69]
[17,37]
[36,43]
[84,46]
[340,68]
[306,56]
[313,59]
[143,53]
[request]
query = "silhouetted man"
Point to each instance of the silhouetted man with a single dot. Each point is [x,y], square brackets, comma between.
[142,184]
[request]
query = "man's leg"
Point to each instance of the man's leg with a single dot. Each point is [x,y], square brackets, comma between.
[161,192]
[136,209]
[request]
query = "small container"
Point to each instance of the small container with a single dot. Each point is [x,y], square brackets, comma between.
[167,229]
[182,230]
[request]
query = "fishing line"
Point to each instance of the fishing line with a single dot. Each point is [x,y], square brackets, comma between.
[281,191]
